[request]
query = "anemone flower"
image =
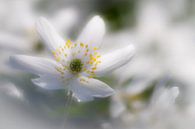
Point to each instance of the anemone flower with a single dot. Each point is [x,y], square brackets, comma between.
[76,64]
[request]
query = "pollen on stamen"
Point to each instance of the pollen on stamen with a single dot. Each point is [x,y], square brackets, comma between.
[68,44]
[94,68]
[95,48]
[82,45]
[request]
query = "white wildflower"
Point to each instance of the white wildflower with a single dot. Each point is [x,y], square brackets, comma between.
[76,62]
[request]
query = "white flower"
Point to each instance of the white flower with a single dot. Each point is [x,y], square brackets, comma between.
[76,63]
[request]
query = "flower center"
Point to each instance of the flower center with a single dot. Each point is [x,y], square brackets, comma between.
[76,66]
[77,51]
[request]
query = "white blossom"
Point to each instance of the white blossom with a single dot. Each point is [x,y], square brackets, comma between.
[75,63]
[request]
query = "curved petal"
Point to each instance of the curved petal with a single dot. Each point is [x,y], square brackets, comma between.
[85,89]
[93,32]
[34,65]
[114,60]
[49,35]
[49,82]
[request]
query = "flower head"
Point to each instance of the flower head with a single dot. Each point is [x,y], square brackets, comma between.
[75,63]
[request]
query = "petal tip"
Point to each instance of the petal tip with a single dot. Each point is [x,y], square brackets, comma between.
[99,20]
[97,17]
[111,92]
[132,48]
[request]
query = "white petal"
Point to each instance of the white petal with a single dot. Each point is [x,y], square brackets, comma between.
[93,33]
[164,97]
[34,65]
[49,82]
[89,88]
[117,105]
[114,59]
[49,35]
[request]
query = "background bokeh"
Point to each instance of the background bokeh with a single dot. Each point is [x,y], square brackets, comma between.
[155,90]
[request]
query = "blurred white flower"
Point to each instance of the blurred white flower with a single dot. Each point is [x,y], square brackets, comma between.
[76,63]
[162,106]
[169,43]
[163,98]
[149,115]
[145,35]
[164,47]
[23,14]
[117,106]
[125,95]
[11,90]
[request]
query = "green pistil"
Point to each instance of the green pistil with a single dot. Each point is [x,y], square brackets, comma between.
[76,66]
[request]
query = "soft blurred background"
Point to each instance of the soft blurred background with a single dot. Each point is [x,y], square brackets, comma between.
[155,90]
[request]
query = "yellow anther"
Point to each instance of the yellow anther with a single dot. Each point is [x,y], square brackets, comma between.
[99,62]
[81,44]
[68,43]
[53,52]
[95,48]
[90,76]
[98,56]
[58,59]
[91,62]
[93,58]
[94,68]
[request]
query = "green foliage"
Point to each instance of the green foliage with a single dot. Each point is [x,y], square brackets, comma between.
[118,13]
